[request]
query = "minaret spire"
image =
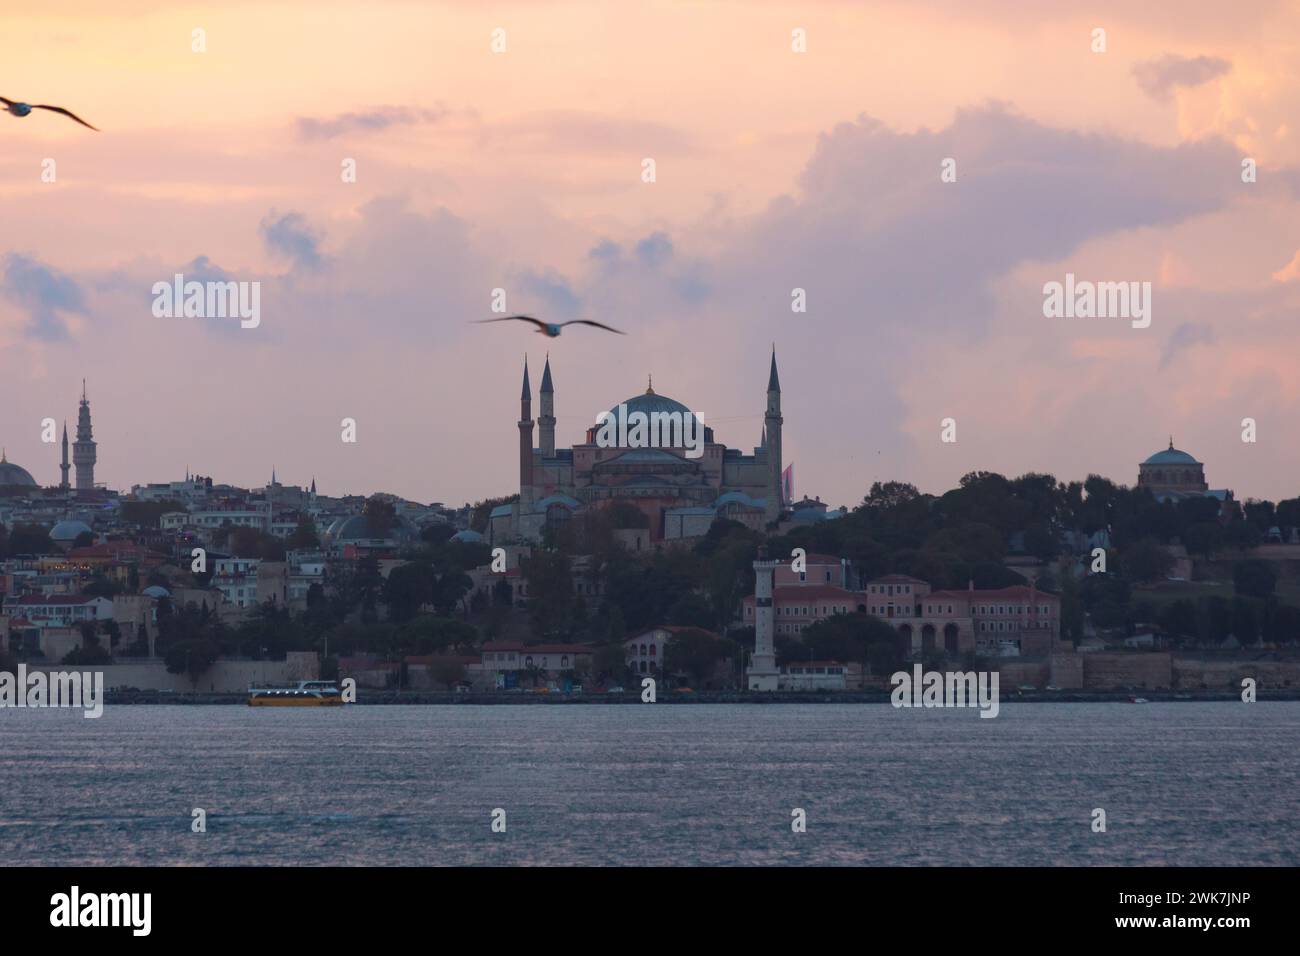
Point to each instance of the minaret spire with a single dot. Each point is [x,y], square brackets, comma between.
[546,420]
[65,467]
[525,443]
[772,434]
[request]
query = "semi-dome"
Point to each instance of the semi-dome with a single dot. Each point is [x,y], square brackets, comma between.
[11,474]
[68,530]
[468,536]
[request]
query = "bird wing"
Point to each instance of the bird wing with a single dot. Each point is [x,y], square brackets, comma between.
[67,113]
[6,102]
[589,322]
[521,318]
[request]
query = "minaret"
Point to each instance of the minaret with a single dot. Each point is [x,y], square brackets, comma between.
[762,673]
[83,450]
[772,424]
[525,443]
[65,467]
[546,422]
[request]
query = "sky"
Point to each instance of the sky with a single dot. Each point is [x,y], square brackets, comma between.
[522,169]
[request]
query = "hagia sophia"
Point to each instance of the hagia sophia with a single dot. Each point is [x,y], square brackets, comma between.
[679,494]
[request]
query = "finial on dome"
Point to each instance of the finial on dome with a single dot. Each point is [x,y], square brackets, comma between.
[1171,442]
[650,385]
[3,459]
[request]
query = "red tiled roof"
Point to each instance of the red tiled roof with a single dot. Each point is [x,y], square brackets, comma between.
[897,579]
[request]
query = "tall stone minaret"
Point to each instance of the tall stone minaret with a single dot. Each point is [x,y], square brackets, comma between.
[83,450]
[65,467]
[762,673]
[525,443]
[772,425]
[546,421]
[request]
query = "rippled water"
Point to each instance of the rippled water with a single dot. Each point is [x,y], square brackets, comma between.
[1181,783]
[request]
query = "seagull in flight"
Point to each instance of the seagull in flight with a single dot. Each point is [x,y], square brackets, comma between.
[23,109]
[551,329]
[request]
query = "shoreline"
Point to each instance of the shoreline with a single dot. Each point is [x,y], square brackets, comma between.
[442,698]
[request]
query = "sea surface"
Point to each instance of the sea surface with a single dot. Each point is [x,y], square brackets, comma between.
[1203,784]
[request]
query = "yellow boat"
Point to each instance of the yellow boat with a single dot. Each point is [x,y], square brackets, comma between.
[305,693]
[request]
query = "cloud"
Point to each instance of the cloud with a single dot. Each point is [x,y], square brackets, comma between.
[1159,77]
[290,236]
[655,249]
[1289,272]
[43,293]
[1183,337]
[553,290]
[380,118]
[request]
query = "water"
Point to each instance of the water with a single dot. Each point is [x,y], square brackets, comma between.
[1181,783]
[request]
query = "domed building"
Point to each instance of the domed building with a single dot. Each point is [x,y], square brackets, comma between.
[356,531]
[12,476]
[650,452]
[66,532]
[1171,474]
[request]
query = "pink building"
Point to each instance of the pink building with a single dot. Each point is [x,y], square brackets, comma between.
[1012,621]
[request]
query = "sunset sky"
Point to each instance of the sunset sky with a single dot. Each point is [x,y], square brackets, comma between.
[775,170]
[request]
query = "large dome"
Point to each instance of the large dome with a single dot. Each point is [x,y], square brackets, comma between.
[11,474]
[650,402]
[1171,456]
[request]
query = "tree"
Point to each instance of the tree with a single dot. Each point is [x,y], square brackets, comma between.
[407,588]
[550,592]
[1254,578]
[698,653]
[304,536]
[192,657]
[691,610]
[1146,561]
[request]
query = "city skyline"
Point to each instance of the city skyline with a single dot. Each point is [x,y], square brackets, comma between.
[478,171]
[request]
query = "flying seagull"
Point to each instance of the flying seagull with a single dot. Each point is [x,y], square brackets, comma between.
[551,329]
[23,109]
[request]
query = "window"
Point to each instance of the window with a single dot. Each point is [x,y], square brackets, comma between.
[652,650]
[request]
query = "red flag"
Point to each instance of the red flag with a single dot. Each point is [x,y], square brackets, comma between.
[787,485]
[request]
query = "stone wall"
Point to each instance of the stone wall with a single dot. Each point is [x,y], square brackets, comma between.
[1109,671]
[224,677]
[1191,674]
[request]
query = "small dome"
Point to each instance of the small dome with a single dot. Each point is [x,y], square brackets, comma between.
[468,536]
[69,531]
[11,474]
[156,591]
